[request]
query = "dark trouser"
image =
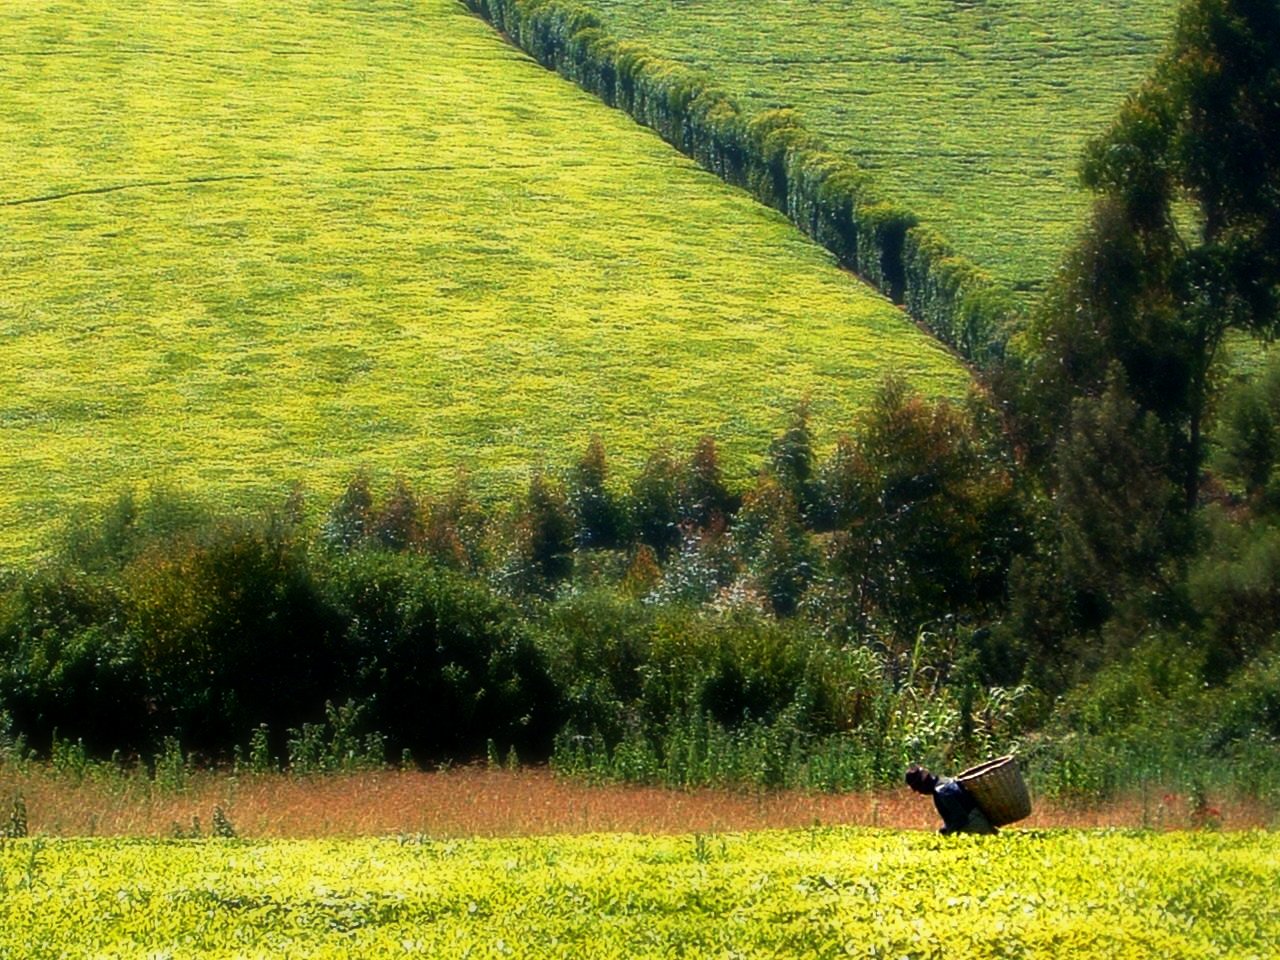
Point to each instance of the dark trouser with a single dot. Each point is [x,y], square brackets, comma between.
[977,823]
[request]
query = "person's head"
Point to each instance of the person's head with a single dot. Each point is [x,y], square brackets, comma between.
[920,780]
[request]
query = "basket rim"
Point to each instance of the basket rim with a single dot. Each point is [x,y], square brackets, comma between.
[987,767]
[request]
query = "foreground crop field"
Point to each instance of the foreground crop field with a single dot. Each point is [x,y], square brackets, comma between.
[815,893]
[972,114]
[248,243]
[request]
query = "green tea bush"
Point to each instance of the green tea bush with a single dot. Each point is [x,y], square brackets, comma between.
[811,892]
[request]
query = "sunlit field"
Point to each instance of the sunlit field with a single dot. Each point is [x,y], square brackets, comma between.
[246,243]
[811,893]
[972,114]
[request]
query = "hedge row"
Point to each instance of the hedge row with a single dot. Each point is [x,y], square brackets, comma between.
[779,161]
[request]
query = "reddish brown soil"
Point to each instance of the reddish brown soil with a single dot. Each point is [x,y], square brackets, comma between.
[484,802]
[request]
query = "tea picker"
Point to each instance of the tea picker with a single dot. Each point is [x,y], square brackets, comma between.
[979,800]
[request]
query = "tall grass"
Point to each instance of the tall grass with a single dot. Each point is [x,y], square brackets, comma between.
[478,801]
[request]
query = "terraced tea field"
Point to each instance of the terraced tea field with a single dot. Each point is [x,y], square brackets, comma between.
[814,893]
[244,243]
[972,114]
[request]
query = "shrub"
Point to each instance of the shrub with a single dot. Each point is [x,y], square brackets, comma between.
[396,524]
[66,664]
[350,518]
[232,631]
[438,660]
[703,498]
[101,541]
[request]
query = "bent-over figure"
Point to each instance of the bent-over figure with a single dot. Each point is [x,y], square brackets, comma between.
[959,811]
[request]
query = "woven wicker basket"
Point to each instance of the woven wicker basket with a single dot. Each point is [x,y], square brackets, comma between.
[998,787]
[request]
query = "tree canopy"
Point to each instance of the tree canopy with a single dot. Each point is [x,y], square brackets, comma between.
[1184,242]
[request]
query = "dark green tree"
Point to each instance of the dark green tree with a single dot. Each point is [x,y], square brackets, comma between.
[1118,512]
[927,516]
[655,503]
[1248,436]
[773,544]
[545,531]
[599,517]
[1184,245]
[791,457]
[704,499]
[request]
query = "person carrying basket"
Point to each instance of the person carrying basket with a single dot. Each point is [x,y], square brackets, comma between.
[990,795]
[959,810]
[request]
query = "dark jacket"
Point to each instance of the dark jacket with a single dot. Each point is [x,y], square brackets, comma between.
[959,811]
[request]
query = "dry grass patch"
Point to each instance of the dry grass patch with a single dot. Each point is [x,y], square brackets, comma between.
[477,801]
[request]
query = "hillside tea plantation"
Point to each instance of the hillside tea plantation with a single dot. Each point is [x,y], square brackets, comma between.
[244,243]
[815,893]
[972,114]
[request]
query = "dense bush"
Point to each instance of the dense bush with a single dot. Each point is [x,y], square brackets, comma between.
[231,631]
[448,626]
[65,664]
[442,664]
[234,627]
[837,618]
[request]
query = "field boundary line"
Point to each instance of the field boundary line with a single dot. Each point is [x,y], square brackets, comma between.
[286,178]
[135,185]
[783,164]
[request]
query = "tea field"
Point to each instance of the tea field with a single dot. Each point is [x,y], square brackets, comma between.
[972,114]
[245,243]
[807,893]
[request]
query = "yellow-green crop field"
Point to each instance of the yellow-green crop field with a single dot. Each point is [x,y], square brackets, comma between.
[250,242]
[817,893]
[972,113]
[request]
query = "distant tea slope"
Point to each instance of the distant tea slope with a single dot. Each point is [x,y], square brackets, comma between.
[247,242]
[972,113]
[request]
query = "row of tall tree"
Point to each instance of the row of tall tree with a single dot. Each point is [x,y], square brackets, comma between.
[1116,381]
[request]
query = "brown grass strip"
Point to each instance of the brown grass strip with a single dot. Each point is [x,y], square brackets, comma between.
[477,801]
